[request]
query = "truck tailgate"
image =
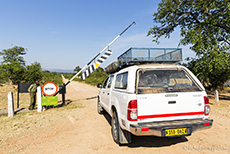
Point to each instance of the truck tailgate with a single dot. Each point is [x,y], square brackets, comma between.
[170,106]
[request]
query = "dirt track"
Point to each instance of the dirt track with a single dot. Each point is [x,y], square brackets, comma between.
[83,130]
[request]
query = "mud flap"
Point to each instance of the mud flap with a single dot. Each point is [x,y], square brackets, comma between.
[124,137]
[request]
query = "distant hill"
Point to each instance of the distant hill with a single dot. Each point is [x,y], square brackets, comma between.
[59,70]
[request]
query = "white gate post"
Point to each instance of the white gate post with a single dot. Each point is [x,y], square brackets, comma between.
[10,105]
[39,99]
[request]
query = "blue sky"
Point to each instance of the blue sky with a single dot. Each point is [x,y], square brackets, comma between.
[63,34]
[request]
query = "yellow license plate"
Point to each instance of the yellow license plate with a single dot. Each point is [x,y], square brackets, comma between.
[177,131]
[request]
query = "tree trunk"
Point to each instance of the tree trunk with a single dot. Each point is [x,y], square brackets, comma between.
[10,82]
[216,94]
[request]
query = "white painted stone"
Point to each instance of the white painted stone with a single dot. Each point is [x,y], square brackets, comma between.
[39,99]
[10,105]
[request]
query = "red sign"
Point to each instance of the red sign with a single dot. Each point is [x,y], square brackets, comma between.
[49,89]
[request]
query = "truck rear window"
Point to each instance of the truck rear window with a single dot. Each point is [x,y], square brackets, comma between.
[165,81]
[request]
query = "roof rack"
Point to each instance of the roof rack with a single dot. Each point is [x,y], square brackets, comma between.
[137,56]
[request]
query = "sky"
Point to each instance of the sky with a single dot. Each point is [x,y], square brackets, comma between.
[63,34]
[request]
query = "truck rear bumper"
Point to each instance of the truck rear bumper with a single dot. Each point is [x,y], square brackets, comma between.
[170,128]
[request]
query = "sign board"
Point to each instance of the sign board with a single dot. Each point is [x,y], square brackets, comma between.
[49,89]
[23,87]
[49,100]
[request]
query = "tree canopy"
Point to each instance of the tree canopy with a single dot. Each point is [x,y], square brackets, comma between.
[203,24]
[13,54]
[33,72]
[14,70]
[213,69]
[77,69]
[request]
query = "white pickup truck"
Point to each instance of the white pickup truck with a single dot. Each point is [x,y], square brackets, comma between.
[155,100]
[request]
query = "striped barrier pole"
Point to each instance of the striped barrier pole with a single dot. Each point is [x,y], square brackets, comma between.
[98,62]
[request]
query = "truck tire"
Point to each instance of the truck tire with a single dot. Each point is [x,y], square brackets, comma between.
[100,109]
[115,128]
[120,136]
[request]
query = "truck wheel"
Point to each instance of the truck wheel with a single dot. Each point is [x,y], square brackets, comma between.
[100,109]
[115,127]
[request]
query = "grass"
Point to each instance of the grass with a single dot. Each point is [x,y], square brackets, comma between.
[28,122]
[223,108]
[5,89]
[67,107]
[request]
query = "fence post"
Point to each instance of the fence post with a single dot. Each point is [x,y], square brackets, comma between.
[63,93]
[18,95]
[39,99]
[10,105]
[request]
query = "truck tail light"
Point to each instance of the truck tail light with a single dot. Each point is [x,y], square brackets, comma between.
[132,110]
[206,110]
[206,100]
[206,106]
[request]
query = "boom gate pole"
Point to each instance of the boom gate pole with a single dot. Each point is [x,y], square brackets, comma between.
[99,53]
[87,65]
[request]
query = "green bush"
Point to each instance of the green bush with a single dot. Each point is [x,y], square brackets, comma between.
[51,77]
[3,75]
[33,73]
[94,78]
[68,75]
[14,72]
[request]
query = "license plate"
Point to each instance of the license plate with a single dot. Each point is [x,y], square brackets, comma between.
[175,132]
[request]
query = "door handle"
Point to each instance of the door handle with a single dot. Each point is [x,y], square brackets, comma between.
[171,102]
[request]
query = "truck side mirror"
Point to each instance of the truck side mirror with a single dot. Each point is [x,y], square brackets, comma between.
[99,85]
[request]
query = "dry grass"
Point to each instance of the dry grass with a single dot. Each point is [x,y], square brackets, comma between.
[5,89]
[29,122]
[223,108]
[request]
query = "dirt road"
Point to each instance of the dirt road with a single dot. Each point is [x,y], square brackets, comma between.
[83,131]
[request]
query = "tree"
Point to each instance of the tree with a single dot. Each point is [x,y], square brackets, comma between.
[212,69]
[14,72]
[33,72]
[13,55]
[203,24]
[98,76]
[54,77]
[3,75]
[77,69]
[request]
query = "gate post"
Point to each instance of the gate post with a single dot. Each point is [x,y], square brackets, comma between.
[18,95]
[10,105]
[63,94]
[39,98]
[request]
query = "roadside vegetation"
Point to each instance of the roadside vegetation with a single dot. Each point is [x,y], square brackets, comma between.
[204,26]
[32,122]
[13,69]
[93,79]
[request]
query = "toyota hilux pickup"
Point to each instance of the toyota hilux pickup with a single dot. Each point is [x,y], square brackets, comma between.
[163,100]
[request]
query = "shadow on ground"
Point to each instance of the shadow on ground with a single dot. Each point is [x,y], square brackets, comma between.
[4,112]
[150,141]
[89,98]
